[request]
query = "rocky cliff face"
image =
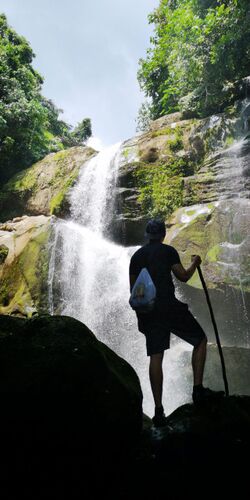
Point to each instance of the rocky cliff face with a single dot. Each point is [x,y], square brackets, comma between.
[24,246]
[175,164]
[42,189]
[27,203]
[194,173]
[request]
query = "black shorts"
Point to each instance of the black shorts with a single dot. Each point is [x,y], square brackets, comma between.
[178,320]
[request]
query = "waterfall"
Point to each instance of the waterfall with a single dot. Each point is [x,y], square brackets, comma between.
[88,272]
[232,179]
[92,198]
[83,261]
[88,277]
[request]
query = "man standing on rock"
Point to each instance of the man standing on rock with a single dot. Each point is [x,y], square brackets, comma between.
[169,314]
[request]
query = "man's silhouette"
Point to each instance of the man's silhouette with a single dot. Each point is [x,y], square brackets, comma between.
[169,314]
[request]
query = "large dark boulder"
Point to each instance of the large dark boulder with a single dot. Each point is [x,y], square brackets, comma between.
[69,405]
[202,453]
[71,424]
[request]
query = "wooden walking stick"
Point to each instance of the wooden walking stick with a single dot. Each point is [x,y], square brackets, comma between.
[215,331]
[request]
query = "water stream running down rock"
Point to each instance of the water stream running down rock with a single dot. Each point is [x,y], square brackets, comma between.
[232,178]
[88,277]
[226,258]
[88,274]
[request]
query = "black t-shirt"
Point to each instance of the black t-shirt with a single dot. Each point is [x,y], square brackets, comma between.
[158,259]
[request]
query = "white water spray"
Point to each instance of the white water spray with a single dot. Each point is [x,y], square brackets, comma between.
[89,280]
[88,275]
[233,190]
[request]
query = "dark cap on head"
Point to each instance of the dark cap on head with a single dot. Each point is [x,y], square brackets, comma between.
[155,229]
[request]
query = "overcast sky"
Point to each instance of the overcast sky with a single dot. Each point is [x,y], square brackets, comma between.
[88,52]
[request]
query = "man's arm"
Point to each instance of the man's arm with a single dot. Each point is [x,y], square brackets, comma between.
[185,274]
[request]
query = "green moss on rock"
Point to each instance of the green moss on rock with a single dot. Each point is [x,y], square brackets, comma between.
[24,181]
[23,287]
[126,153]
[58,203]
[32,191]
[204,230]
[196,231]
[213,254]
[3,253]
[162,131]
[160,188]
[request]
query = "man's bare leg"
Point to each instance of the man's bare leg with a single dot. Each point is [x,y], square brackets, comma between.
[200,393]
[198,361]
[156,377]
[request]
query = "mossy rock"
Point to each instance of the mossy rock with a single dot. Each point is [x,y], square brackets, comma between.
[24,277]
[150,155]
[3,253]
[173,164]
[192,232]
[165,168]
[203,230]
[43,188]
[214,253]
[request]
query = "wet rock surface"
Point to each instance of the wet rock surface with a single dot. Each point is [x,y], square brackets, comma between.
[42,188]
[24,270]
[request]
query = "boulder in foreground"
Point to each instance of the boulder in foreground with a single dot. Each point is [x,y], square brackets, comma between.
[71,418]
[70,405]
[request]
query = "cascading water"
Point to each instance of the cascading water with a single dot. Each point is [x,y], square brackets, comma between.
[232,170]
[88,276]
[227,261]
[91,270]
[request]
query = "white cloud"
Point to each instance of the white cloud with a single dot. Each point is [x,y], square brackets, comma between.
[88,52]
[95,143]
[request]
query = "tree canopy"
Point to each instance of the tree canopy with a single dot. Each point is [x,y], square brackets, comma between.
[198,49]
[29,123]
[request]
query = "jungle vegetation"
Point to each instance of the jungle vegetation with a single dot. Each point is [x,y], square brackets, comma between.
[199,49]
[30,126]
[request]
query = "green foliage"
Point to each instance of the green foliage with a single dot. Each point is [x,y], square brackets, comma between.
[160,187]
[82,131]
[23,181]
[199,47]
[175,144]
[29,123]
[144,117]
[3,253]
